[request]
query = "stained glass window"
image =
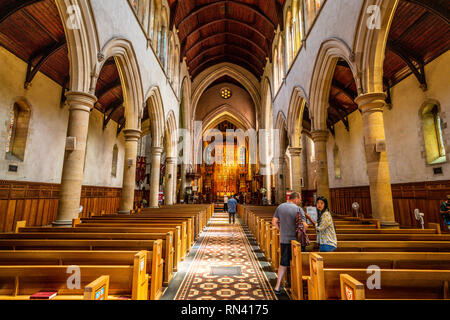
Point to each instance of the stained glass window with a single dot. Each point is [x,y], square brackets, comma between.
[11,129]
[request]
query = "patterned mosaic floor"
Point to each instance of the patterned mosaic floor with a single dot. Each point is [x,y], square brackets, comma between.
[224,245]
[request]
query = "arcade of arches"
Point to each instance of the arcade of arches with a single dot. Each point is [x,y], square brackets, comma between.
[344,102]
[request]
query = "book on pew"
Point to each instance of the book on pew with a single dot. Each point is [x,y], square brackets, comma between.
[44,295]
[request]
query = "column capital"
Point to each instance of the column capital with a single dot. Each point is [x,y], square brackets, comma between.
[82,101]
[132,134]
[320,135]
[371,102]
[295,151]
[157,150]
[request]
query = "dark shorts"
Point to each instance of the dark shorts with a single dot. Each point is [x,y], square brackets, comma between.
[286,255]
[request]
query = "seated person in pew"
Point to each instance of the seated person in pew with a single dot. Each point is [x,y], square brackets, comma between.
[285,221]
[326,233]
[445,212]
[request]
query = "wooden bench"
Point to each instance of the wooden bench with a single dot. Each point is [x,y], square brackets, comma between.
[153,261]
[301,264]
[176,242]
[325,283]
[21,281]
[91,245]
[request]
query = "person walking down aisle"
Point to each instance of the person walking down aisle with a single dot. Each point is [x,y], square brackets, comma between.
[326,233]
[285,221]
[232,205]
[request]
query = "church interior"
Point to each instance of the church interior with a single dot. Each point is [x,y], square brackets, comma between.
[127,128]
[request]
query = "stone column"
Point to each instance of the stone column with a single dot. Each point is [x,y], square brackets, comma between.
[320,138]
[371,106]
[296,165]
[183,182]
[132,137]
[267,183]
[80,106]
[155,176]
[168,186]
[175,183]
[280,180]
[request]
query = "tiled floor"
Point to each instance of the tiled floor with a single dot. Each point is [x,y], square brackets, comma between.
[223,245]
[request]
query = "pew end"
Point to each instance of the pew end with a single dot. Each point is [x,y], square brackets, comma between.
[351,289]
[19,224]
[97,289]
[435,226]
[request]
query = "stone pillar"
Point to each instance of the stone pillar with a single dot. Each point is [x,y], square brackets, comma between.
[168,186]
[183,182]
[296,165]
[132,137]
[320,138]
[267,181]
[155,176]
[175,183]
[280,180]
[80,106]
[371,106]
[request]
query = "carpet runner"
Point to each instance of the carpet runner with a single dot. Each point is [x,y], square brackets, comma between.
[210,277]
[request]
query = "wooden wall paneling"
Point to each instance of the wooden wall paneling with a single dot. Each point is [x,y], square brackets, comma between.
[9,223]
[3,213]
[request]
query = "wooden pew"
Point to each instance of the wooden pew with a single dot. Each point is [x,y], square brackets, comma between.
[153,261]
[325,283]
[91,245]
[186,224]
[176,242]
[21,281]
[301,264]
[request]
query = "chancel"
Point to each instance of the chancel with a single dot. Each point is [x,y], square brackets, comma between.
[224,150]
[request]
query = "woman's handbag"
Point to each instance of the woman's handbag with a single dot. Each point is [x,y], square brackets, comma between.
[302,237]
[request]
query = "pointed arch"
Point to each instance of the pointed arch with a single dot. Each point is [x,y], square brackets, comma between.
[171,134]
[130,76]
[82,43]
[208,76]
[370,44]
[299,100]
[156,115]
[329,54]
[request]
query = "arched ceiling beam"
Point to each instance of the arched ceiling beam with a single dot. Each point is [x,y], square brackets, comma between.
[200,28]
[44,55]
[412,60]
[343,89]
[255,71]
[231,46]
[114,107]
[207,6]
[14,7]
[434,7]
[108,88]
[225,34]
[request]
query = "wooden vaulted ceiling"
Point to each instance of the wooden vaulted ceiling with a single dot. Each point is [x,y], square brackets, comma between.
[33,31]
[419,33]
[236,31]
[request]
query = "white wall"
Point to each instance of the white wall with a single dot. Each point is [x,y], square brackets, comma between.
[405,142]
[99,152]
[44,153]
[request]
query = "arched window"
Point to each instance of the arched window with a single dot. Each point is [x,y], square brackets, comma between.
[115,156]
[337,163]
[142,8]
[280,62]
[432,132]
[275,69]
[289,38]
[18,131]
